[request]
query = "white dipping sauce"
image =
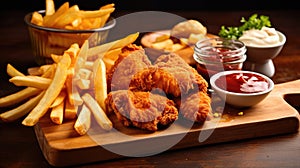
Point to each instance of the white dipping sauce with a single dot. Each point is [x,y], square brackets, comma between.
[264,37]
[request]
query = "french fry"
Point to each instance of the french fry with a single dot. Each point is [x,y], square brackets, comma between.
[37,19]
[100,85]
[57,113]
[72,91]
[49,73]
[96,13]
[31,81]
[175,47]
[68,17]
[108,63]
[50,20]
[34,71]
[84,73]
[51,93]
[23,94]
[162,37]
[113,54]
[21,110]
[40,70]
[50,7]
[97,112]
[19,96]
[12,71]
[83,84]
[82,56]
[104,18]
[162,44]
[83,122]
[101,49]
[70,110]
[56,58]
[73,51]
[88,65]
[72,18]
[59,99]
[74,96]
[110,57]
[44,68]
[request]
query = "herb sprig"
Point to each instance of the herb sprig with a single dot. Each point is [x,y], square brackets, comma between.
[254,22]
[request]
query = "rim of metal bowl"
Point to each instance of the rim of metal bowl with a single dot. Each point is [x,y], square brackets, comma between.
[110,24]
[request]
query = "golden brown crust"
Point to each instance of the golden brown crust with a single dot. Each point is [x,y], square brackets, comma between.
[130,61]
[142,109]
[196,107]
[171,74]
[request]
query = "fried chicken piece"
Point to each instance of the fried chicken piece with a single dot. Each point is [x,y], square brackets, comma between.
[142,109]
[180,81]
[131,60]
[195,107]
[171,74]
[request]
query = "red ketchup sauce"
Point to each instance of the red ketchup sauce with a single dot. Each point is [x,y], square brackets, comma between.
[221,59]
[242,83]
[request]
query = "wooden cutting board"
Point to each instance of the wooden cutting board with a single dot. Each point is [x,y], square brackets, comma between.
[62,146]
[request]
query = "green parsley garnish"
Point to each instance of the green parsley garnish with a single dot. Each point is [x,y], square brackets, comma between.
[254,22]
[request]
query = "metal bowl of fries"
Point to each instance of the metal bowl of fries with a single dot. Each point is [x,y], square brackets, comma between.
[47,40]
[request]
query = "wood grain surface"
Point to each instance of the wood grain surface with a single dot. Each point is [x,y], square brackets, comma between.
[20,147]
[272,116]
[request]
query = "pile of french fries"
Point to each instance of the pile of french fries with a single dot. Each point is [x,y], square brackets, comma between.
[166,43]
[72,18]
[188,32]
[74,87]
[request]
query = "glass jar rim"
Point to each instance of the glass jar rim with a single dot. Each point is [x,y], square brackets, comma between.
[202,46]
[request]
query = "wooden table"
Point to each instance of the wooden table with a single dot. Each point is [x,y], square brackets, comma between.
[19,146]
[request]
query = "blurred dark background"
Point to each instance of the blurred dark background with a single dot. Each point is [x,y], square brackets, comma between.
[166,5]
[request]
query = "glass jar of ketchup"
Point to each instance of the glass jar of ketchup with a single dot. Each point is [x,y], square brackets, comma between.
[218,54]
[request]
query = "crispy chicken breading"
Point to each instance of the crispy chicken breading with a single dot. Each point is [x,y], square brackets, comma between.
[171,74]
[142,109]
[132,60]
[175,77]
[142,94]
[195,107]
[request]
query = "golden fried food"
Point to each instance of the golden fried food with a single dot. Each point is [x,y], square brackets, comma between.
[171,74]
[132,60]
[142,109]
